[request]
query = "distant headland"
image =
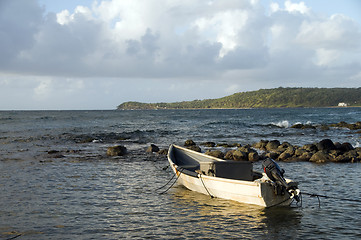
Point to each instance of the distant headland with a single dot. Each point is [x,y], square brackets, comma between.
[266,98]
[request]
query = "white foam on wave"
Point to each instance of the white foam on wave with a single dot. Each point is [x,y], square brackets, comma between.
[282,124]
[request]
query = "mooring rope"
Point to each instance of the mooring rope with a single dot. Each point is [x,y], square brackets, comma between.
[330,197]
[200,177]
[180,173]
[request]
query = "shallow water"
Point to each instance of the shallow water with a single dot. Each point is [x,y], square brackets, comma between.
[81,193]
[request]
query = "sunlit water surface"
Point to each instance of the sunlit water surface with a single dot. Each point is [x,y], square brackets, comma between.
[80,193]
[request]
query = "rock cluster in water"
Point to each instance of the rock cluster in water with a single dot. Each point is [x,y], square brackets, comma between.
[321,152]
[342,124]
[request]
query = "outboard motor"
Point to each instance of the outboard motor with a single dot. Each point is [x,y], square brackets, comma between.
[275,174]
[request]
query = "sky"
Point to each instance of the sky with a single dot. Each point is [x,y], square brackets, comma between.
[85,54]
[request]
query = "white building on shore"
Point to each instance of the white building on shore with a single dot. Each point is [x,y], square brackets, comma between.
[342,104]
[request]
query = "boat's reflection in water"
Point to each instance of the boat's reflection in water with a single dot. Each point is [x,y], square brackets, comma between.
[201,216]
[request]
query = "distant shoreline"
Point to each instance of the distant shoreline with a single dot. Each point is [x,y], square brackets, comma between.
[266,98]
[155,109]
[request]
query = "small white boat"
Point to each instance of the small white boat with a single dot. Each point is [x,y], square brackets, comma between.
[234,180]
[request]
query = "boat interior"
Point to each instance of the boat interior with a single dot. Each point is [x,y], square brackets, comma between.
[210,166]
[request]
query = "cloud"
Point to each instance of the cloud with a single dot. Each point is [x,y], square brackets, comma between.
[137,42]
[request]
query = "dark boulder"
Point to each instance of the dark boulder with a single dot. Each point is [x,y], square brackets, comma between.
[325,145]
[299,152]
[116,151]
[195,148]
[272,145]
[261,144]
[306,156]
[189,142]
[284,156]
[345,147]
[163,152]
[208,144]
[320,157]
[239,155]
[152,148]
[297,126]
[272,155]
[253,156]
[215,153]
[310,147]
[229,155]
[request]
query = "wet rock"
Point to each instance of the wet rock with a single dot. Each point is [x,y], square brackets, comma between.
[53,151]
[350,156]
[163,152]
[272,145]
[284,145]
[351,126]
[299,152]
[208,144]
[297,125]
[261,144]
[215,153]
[325,145]
[152,148]
[247,149]
[303,126]
[116,151]
[290,150]
[320,157]
[253,156]
[195,148]
[306,156]
[310,147]
[272,155]
[229,155]
[189,142]
[239,155]
[284,156]
[324,127]
[334,154]
[227,145]
[345,147]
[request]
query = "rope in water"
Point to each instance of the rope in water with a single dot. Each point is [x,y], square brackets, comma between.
[331,197]
[180,173]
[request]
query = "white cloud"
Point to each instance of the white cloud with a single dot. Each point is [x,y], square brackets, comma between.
[43,89]
[296,7]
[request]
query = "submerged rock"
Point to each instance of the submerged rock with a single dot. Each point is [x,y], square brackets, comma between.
[116,151]
[189,142]
[208,144]
[163,152]
[152,148]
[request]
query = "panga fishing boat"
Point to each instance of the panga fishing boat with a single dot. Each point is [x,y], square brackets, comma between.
[234,180]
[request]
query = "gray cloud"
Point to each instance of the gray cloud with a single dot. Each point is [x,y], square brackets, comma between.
[136,42]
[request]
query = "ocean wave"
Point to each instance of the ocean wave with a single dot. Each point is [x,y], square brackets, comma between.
[282,124]
[287,124]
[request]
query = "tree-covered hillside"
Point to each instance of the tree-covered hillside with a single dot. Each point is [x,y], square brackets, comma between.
[266,98]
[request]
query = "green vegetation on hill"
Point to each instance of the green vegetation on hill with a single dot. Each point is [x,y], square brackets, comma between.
[266,98]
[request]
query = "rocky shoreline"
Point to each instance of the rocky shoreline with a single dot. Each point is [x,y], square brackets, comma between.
[320,152]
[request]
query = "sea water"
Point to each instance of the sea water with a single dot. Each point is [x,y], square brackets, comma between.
[56,181]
